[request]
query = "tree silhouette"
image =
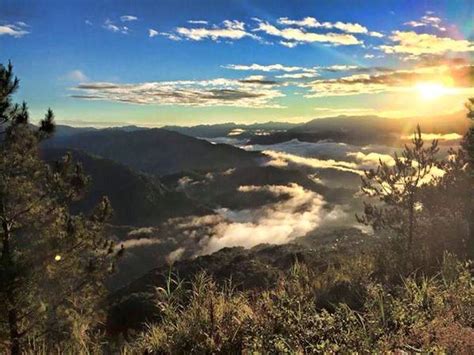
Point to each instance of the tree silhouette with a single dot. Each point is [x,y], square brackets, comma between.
[396,185]
[52,263]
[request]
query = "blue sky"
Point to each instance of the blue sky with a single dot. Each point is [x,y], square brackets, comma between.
[189,62]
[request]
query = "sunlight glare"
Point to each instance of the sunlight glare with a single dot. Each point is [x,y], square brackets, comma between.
[431,91]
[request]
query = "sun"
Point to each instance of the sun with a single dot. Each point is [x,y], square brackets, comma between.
[431,91]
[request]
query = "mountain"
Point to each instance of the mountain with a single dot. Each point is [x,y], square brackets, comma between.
[157,151]
[137,199]
[232,129]
[67,131]
[361,130]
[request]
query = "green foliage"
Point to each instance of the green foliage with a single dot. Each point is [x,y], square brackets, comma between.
[422,209]
[52,263]
[422,314]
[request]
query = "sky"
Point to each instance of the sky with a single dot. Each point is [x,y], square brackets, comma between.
[154,63]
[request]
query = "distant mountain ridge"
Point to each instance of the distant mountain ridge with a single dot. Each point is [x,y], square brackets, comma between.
[231,128]
[362,130]
[156,151]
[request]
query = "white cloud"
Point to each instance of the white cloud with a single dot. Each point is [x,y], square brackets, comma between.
[109,25]
[339,67]
[428,20]
[458,77]
[128,18]
[414,44]
[16,31]
[170,36]
[289,44]
[230,29]
[281,159]
[311,22]
[297,75]
[276,223]
[198,22]
[376,34]
[215,92]
[152,33]
[299,35]
[175,255]
[269,68]
[437,136]
[134,243]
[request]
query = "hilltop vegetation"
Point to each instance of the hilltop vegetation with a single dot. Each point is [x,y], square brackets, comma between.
[400,281]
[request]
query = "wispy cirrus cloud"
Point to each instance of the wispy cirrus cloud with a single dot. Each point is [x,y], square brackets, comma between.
[215,92]
[16,30]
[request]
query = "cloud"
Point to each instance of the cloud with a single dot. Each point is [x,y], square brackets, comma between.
[258,79]
[311,22]
[134,243]
[88,22]
[230,29]
[215,92]
[277,223]
[370,160]
[198,22]
[413,44]
[128,18]
[77,76]
[152,33]
[109,25]
[269,68]
[281,159]
[175,255]
[457,78]
[372,56]
[297,75]
[433,136]
[300,35]
[428,20]
[170,36]
[376,34]
[17,31]
[336,68]
[288,44]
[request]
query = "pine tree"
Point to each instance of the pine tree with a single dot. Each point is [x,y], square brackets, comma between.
[397,186]
[52,263]
[425,202]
